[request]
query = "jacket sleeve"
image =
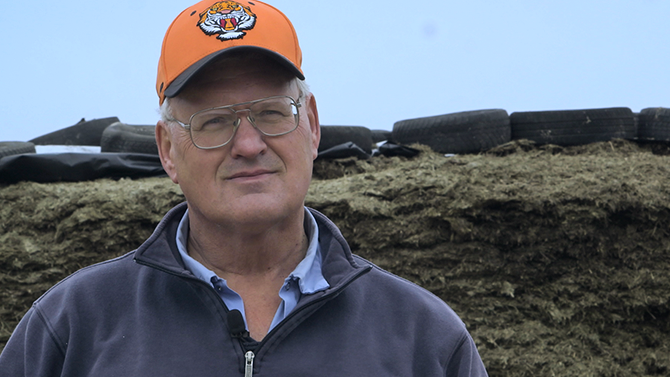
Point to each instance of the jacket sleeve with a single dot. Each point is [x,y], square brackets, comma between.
[31,350]
[465,361]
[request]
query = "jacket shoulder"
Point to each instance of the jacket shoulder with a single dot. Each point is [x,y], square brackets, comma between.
[114,270]
[397,291]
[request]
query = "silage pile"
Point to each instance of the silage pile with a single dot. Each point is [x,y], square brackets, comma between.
[556,258]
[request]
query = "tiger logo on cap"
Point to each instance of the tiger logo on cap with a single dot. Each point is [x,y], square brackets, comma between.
[228,19]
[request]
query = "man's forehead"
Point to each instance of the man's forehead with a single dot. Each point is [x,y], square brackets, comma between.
[229,84]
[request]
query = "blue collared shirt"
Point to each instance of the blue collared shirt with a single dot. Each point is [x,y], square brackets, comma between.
[307,278]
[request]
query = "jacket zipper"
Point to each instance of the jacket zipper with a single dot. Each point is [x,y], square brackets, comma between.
[250,355]
[249,364]
[308,305]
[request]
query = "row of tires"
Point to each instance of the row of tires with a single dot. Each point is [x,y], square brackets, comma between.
[455,133]
[477,131]
[109,134]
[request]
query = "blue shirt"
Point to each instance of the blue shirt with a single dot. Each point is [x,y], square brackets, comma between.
[307,278]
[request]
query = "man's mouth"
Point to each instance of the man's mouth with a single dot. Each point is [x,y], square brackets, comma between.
[249,174]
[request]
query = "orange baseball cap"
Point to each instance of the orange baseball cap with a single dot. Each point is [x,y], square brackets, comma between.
[210,28]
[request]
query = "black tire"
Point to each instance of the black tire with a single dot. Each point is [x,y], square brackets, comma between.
[380,135]
[336,135]
[459,133]
[654,124]
[82,133]
[574,127]
[121,137]
[9,148]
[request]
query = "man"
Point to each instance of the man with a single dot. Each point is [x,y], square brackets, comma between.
[241,279]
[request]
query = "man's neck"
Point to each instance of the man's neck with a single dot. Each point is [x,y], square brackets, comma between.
[262,254]
[254,264]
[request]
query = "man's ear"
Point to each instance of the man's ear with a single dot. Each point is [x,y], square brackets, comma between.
[165,144]
[314,125]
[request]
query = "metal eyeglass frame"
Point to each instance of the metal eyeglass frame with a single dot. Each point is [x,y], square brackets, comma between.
[239,120]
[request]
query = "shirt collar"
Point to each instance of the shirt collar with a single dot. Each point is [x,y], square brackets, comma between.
[308,273]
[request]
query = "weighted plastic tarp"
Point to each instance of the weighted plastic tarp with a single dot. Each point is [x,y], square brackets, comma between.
[74,167]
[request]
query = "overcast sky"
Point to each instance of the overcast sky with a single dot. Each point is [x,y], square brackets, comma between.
[369,63]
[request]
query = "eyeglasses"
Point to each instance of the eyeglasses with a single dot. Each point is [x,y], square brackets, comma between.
[216,127]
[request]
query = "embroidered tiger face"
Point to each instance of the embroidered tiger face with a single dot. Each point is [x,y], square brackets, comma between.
[228,19]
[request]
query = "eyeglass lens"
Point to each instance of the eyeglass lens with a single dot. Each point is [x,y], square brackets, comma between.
[272,116]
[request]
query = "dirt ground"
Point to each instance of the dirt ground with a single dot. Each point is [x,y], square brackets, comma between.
[556,258]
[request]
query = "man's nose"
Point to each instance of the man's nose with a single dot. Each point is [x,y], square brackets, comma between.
[248,141]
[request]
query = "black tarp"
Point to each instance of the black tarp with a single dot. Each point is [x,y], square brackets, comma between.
[74,167]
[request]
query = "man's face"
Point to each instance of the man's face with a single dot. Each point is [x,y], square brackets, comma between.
[255,180]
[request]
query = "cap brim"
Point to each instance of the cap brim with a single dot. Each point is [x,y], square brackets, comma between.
[178,84]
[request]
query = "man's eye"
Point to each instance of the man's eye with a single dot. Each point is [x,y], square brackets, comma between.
[215,123]
[271,112]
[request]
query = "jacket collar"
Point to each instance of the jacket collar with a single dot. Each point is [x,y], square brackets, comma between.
[160,250]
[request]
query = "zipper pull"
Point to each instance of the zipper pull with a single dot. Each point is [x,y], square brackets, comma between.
[249,364]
